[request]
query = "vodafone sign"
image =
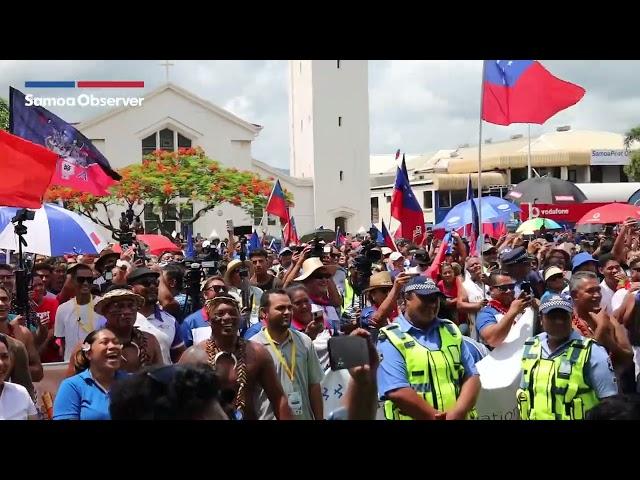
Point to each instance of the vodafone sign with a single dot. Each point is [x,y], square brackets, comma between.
[565,213]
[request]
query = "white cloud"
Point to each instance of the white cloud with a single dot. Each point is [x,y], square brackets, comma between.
[418,106]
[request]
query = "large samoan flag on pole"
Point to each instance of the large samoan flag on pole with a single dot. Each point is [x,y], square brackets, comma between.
[406,209]
[523,91]
[80,164]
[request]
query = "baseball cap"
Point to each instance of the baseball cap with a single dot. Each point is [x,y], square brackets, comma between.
[556,302]
[386,250]
[395,256]
[487,246]
[581,259]
[285,251]
[511,257]
[422,286]
[138,273]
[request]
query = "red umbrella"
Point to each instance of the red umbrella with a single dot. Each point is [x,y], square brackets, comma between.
[157,244]
[612,213]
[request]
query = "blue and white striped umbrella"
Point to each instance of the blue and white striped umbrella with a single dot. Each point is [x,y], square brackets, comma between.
[54,231]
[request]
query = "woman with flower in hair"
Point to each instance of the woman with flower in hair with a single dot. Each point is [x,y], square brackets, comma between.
[85,396]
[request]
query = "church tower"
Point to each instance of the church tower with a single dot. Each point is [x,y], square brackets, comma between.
[329,138]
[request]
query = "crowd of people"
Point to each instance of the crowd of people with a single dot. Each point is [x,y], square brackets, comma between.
[250,339]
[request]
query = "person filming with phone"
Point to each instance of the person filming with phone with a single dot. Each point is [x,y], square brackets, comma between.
[494,321]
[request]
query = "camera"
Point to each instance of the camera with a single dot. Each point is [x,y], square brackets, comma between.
[318,250]
[23,215]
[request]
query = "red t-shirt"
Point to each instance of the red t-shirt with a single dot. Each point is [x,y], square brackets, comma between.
[47,311]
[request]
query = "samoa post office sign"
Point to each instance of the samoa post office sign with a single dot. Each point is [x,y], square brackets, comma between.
[609,157]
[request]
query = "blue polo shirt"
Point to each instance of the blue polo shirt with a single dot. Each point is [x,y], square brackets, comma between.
[392,372]
[81,398]
[598,370]
[195,320]
[485,317]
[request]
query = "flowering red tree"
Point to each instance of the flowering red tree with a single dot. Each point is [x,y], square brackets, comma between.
[163,177]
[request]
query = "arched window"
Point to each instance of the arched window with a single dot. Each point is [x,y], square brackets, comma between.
[165,139]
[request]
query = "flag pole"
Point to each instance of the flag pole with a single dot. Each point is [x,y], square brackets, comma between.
[529,164]
[480,227]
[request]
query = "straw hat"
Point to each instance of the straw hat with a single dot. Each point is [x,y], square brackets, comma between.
[379,280]
[233,266]
[312,264]
[115,295]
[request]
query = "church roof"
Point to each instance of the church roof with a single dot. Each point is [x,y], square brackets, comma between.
[252,127]
[283,174]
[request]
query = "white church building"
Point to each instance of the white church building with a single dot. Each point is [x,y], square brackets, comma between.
[329,145]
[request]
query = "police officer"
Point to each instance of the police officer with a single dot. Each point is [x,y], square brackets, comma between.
[564,374]
[415,378]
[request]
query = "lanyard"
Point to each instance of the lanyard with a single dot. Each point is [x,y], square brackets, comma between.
[291,371]
[77,312]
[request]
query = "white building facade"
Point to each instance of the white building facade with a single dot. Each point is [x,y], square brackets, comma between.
[329,138]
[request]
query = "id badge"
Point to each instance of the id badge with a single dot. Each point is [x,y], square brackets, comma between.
[295,402]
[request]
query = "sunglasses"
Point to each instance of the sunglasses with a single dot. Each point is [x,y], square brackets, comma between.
[506,288]
[217,288]
[320,276]
[82,280]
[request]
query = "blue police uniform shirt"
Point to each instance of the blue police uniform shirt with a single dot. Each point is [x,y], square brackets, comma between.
[195,320]
[598,370]
[486,317]
[392,372]
[81,398]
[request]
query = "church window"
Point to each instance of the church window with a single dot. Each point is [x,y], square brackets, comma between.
[149,144]
[338,63]
[184,142]
[165,139]
[341,175]
[339,121]
[375,211]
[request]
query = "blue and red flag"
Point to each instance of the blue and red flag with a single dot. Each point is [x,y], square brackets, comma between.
[523,91]
[289,233]
[406,209]
[387,240]
[277,205]
[25,169]
[80,165]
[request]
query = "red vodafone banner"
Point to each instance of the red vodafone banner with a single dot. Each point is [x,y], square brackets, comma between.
[564,213]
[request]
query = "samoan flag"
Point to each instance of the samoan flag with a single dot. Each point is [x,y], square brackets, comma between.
[523,91]
[80,165]
[277,205]
[387,240]
[406,209]
[379,239]
[434,269]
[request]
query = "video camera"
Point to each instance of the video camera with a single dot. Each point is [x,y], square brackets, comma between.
[318,250]
[23,272]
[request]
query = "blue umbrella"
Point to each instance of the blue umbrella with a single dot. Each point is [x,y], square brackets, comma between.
[53,232]
[494,210]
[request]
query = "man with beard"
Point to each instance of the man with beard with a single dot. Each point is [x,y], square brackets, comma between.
[243,366]
[151,316]
[564,375]
[296,361]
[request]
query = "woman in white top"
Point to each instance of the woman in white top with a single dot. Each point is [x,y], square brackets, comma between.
[15,402]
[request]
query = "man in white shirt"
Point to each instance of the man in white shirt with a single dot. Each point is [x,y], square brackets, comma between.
[474,296]
[145,282]
[618,298]
[613,276]
[76,318]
